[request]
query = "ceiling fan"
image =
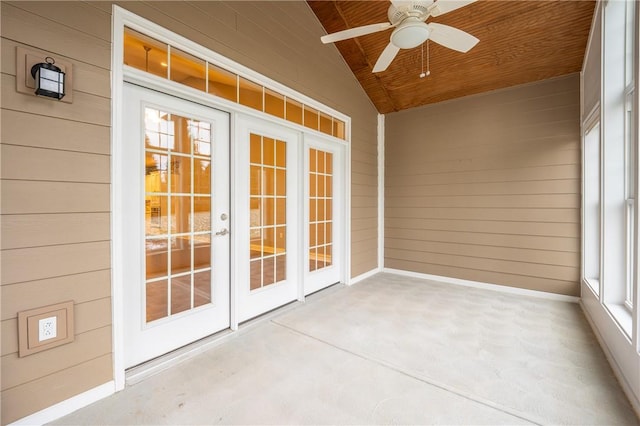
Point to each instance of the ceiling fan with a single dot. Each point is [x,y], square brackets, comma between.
[408,18]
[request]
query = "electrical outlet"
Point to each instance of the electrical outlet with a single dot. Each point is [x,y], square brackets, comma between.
[47,328]
[44,328]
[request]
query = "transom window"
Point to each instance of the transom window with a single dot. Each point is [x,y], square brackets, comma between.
[166,61]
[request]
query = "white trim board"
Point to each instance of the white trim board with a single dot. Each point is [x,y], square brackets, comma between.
[364,276]
[117,220]
[346,248]
[486,286]
[381,141]
[68,406]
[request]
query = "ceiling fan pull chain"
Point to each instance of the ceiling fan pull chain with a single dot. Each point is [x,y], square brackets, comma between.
[428,67]
[424,74]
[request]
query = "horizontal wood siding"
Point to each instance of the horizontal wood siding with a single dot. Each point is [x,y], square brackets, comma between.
[487,188]
[37,394]
[55,205]
[55,165]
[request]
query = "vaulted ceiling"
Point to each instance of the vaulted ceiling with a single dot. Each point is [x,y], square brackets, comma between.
[520,42]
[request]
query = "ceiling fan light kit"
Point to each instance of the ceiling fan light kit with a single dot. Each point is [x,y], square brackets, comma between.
[411,30]
[411,33]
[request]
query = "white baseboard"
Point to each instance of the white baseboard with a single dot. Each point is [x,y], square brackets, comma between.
[68,406]
[364,276]
[486,286]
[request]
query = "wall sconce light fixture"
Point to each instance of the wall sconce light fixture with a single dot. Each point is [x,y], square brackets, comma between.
[49,79]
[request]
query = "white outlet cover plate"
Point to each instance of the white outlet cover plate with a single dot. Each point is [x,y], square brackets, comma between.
[47,328]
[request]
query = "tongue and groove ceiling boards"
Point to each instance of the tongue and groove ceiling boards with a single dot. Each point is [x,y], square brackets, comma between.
[520,42]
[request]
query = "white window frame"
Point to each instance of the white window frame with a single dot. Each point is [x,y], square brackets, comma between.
[618,222]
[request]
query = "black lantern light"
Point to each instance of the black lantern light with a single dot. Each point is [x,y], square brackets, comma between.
[49,79]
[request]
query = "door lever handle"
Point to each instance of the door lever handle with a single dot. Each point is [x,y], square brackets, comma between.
[224,231]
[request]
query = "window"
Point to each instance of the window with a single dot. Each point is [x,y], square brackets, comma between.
[610,170]
[164,60]
[611,122]
[592,205]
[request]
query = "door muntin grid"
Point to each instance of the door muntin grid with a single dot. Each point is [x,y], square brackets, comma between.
[267,211]
[320,209]
[178,203]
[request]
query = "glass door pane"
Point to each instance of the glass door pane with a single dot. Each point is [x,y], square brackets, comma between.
[178,198]
[324,214]
[320,209]
[267,203]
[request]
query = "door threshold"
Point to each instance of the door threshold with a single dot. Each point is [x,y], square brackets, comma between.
[142,371]
[294,304]
[147,369]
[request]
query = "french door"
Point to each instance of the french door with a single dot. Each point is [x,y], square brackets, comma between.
[267,233]
[324,224]
[176,161]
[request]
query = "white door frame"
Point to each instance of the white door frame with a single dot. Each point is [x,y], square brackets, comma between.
[120,72]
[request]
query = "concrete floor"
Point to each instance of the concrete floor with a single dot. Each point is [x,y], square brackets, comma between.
[390,349]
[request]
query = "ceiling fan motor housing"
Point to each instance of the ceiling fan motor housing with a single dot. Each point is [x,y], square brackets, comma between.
[419,9]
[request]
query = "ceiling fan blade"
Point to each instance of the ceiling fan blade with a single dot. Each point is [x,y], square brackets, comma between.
[386,57]
[450,37]
[440,7]
[355,32]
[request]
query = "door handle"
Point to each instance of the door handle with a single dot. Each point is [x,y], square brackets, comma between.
[224,231]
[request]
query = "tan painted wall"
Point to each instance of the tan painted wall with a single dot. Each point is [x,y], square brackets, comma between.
[55,210]
[487,188]
[56,156]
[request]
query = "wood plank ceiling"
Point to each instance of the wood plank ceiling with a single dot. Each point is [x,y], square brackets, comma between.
[520,42]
